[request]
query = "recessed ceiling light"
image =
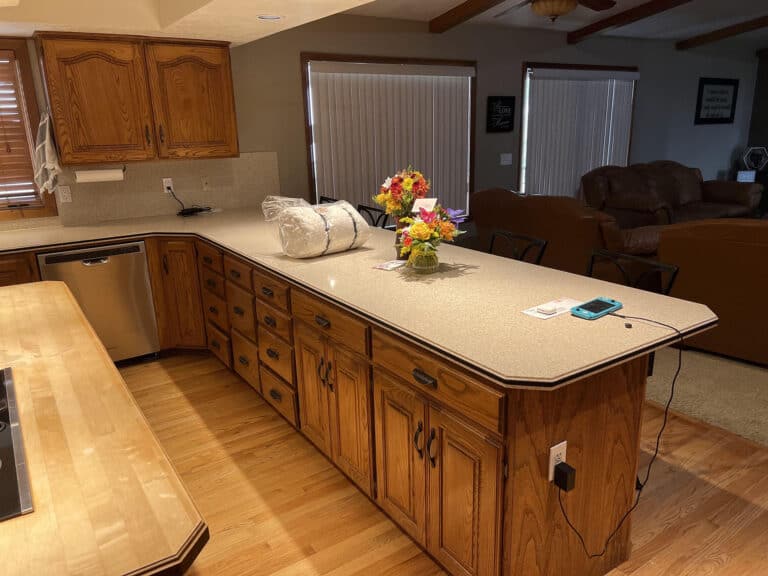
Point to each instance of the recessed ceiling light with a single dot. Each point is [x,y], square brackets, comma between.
[269,17]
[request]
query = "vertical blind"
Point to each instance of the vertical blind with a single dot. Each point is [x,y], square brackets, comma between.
[369,121]
[17,186]
[573,121]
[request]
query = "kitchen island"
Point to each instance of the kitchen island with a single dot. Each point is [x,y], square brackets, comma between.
[444,398]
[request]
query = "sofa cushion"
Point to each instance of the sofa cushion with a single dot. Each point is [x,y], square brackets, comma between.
[688,181]
[629,189]
[706,210]
[643,241]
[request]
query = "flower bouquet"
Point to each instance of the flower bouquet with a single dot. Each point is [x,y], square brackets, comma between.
[399,192]
[423,234]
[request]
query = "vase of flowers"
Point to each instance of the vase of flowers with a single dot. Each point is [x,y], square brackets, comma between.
[423,234]
[397,195]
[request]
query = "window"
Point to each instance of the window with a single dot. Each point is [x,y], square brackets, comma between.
[574,120]
[19,196]
[369,119]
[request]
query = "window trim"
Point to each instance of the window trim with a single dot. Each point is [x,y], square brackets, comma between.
[306,57]
[20,48]
[562,66]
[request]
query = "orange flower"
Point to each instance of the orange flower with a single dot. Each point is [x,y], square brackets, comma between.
[447,230]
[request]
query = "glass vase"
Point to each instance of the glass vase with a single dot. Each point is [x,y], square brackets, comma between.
[425,263]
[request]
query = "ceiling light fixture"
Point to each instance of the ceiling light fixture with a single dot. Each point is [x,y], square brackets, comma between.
[269,17]
[553,9]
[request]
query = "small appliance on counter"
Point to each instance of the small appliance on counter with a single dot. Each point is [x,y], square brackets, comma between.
[15,495]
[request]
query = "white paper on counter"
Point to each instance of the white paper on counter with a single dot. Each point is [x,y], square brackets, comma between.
[562,305]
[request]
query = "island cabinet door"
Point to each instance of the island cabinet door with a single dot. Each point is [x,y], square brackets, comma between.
[311,383]
[18,269]
[464,500]
[401,428]
[349,394]
[176,290]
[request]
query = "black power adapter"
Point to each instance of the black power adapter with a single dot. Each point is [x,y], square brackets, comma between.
[565,477]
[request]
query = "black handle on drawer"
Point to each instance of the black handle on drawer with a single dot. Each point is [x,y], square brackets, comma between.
[322,321]
[243,360]
[269,321]
[267,292]
[235,274]
[213,310]
[423,378]
[165,264]
[432,459]
[239,311]
[416,436]
[208,260]
[275,394]
[272,353]
[320,371]
[211,282]
[215,344]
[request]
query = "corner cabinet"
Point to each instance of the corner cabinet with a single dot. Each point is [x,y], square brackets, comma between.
[118,99]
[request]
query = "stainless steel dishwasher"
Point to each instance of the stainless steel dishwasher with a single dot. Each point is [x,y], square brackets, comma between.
[111,284]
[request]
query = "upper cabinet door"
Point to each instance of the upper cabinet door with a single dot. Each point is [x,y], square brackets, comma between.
[193,100]
[99,99]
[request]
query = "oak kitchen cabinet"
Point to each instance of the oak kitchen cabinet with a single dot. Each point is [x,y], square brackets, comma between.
[18,269]
[334,387]
[117,99]
[176,290]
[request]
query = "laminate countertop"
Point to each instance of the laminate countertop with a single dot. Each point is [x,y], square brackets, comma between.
[106,498]
[470,311]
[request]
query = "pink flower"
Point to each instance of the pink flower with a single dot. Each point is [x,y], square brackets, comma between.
[426,216]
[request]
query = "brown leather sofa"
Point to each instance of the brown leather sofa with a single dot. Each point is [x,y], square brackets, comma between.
[724,264]
[665,192]
[571,229]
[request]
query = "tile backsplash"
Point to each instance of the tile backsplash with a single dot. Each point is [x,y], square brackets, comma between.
[231,183]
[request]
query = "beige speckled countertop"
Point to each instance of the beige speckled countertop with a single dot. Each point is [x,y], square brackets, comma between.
[470,310]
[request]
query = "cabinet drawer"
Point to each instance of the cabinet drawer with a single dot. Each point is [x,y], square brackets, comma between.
[275,321]
[210,257]
[276,354]
[433,376]
[245,360]
[237,272]
[215,309]
[240,305]
[218,343]
[271,290]
[213,282]
[331,321]
[279,395]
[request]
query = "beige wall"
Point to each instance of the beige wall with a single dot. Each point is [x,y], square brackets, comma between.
[270,102]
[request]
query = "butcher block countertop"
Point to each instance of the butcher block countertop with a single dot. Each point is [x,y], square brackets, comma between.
[106,499]
[470,311]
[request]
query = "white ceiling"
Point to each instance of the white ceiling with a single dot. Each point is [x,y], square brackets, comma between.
[691,19]
[233,20]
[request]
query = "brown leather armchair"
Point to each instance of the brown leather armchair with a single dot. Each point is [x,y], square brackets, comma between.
[571,229]
[664,192]
[724,264]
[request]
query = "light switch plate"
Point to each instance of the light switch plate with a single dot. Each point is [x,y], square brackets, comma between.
[505,159]
[64,194]
[556,455]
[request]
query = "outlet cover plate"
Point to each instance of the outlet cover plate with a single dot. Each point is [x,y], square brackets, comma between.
[65,194]
[556,455]
[167,183]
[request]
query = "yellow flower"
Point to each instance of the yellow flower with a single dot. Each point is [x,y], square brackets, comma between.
[393,206]
[408,184]
[381,199]
[420,231]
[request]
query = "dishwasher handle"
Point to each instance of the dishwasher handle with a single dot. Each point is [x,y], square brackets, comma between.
[95,261]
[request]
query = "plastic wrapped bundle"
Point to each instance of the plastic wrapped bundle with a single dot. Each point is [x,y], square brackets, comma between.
[309,231]
[273,205]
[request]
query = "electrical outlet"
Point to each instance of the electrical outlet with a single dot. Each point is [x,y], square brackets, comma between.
[168,185]
[505,159]
[65,194]
[205,183]
[556,455]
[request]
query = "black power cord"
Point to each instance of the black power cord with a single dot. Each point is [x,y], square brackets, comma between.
[640,485]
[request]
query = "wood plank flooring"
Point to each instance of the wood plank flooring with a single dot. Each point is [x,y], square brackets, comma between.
[275,506]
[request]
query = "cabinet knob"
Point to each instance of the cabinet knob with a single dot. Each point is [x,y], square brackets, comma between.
[423,378]
[272,353]
[235,274]
[243,360]
[211,282]
[432,459]
[162,135]
[146,134]
[269,321]
[239,311]
[416,436]
[215,344]
[207,259]
[213,310]
[165,264]
[276,395]
[320,371]
[267,292]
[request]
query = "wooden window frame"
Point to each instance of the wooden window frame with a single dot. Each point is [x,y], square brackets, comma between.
[21,50]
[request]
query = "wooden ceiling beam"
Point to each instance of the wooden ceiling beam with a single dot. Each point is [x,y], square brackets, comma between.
[723,33]
[640,12]
[461,13]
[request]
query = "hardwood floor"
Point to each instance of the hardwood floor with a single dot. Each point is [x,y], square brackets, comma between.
[275,506]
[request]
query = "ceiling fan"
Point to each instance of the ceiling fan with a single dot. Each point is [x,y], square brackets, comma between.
[553,9]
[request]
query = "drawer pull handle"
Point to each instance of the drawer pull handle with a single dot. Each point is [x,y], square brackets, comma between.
[235,274]
[269,321]
[328,376]
[276,395]
[274,354]
[322,322]
[267,292]
[423,378]
[239,311]
[320,371]
[416,436]
[432,459]
[244,361]
[208,260]
[213,310]
[211,282]
[215,344]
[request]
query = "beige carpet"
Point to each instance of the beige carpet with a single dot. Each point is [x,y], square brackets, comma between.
[729,394]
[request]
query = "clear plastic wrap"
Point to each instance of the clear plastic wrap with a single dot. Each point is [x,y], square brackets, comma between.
[307,231]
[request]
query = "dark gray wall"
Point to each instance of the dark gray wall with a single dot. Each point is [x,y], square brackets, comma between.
[758,132]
